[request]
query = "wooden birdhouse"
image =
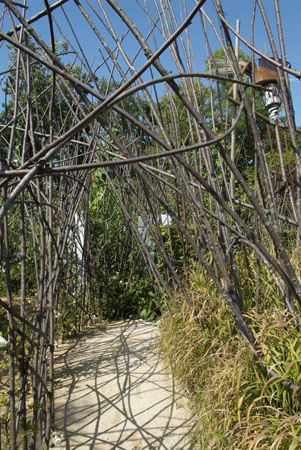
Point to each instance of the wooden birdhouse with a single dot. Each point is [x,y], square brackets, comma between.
[265,72]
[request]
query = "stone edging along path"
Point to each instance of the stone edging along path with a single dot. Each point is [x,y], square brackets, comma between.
[114,392]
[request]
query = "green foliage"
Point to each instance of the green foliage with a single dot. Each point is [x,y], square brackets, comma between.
[15,257]
[3,323]
[176,118]
[174,248]
[120,276]
[131,300]
[38,92]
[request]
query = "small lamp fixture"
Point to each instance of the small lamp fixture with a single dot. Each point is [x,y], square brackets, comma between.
[272,100]
[266,75]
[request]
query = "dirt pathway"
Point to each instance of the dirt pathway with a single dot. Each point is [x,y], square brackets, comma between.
[114,392]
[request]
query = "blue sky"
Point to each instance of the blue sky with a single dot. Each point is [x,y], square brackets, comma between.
[234,9]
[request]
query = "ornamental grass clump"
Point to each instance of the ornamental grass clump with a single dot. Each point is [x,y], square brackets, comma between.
[241,402]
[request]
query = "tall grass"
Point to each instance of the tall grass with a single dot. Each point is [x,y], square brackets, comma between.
[238,405]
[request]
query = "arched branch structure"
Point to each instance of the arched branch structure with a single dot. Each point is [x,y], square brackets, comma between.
[117,166]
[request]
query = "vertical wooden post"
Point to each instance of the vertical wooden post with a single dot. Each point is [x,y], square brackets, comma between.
[233,134]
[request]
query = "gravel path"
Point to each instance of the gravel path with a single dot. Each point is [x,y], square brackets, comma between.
[114,392]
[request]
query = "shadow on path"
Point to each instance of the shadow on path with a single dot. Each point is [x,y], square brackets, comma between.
[114,392]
